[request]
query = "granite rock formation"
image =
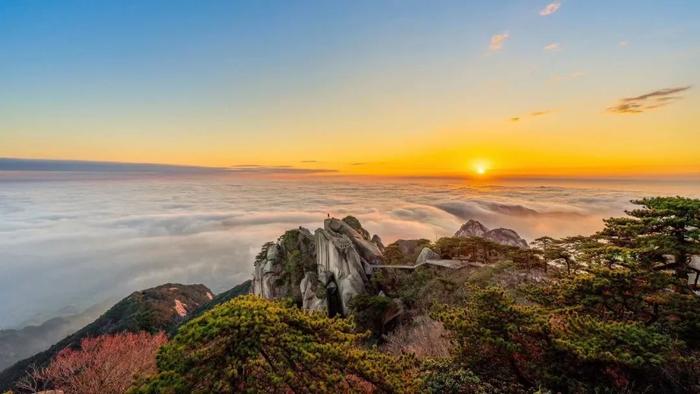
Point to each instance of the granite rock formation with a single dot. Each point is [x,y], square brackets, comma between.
[322,271]
[503,236]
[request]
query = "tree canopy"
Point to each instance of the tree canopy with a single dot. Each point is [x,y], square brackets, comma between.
[255,345]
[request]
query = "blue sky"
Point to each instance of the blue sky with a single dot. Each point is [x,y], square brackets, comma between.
[205,82]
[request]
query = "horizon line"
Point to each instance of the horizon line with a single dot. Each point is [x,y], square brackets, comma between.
[70,165]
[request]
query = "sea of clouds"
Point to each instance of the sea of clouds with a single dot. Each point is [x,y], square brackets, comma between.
[69,243]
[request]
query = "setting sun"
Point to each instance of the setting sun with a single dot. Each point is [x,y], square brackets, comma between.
[480,166]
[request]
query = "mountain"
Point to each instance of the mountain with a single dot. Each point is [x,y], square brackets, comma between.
[503,236]
[472,228]
[155,309]
[244,288]
[16,344]
[506,236]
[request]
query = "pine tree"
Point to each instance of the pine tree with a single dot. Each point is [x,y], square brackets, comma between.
[255,345]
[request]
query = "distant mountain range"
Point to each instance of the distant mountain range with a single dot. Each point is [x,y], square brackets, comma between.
[16,344]
[13,164]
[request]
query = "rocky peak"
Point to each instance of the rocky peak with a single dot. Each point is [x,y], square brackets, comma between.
[322,271]
[472,228]
[503,236]
[506,236]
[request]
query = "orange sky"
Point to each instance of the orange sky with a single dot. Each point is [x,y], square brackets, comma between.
[419,89]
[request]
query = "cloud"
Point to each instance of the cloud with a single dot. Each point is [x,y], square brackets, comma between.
[623,43]
[93,168]
[531,115]
[254,169]
[13,164]
[648,101]
[99,240]
[552,47]
[550,8]
[497,41]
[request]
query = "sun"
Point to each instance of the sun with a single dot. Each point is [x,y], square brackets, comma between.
[479,167]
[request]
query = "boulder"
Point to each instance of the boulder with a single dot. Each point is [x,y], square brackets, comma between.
[425,255]
[360,239]
[378,241]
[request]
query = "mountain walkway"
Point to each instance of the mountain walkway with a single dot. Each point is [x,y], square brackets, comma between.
[451,264]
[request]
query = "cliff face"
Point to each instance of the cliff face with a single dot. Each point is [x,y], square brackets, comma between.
[280,266]
[320,272]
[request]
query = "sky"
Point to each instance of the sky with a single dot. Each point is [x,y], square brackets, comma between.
[370,87]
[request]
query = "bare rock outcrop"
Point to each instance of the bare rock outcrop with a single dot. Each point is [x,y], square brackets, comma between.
[358,236]
[280,266]
[425,255]
[268,272]
[506,236]
[503,236]
[378,241]
[323,271]
[472,228]
[342,268]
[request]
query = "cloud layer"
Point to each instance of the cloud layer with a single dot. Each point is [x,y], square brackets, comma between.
[75,243]
[645,102]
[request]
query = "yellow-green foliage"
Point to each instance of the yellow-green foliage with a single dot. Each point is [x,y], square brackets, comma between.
[250,344]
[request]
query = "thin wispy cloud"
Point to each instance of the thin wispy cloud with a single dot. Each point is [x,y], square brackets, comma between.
[648,101]
[276,170]
[552,47]
[550,8]
[533,114]
[623,43]
[497,41]
[14,164]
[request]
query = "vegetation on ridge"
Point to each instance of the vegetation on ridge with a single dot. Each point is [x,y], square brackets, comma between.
[250,344]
